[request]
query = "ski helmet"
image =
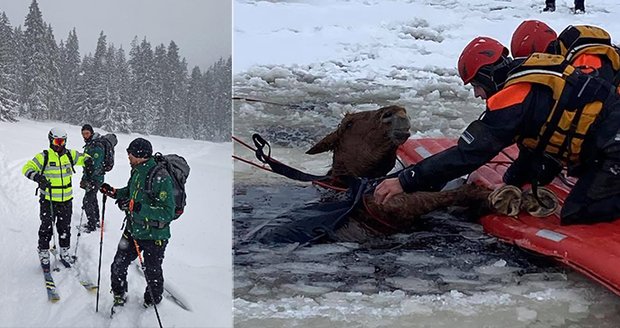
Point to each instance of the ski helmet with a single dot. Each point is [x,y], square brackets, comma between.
[531,36]
[484,61]
[57,137]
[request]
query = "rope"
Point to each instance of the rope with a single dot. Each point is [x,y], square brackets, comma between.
[263,167]
[262,101]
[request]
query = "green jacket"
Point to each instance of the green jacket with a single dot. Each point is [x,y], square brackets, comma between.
[96,151]
[159,208]
[57,171]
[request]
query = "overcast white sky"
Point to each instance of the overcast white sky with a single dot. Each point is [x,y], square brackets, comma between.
[201,28]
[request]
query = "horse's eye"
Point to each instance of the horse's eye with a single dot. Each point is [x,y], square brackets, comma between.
[348,125]
[387,115]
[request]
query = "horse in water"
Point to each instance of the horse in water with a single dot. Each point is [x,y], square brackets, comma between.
[364,145]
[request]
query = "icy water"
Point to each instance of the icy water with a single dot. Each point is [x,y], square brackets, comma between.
[447,273]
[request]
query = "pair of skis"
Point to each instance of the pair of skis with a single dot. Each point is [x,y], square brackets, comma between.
[50,285]
[168,293]
[52,293]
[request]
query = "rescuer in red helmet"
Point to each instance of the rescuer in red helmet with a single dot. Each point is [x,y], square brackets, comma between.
[561,116]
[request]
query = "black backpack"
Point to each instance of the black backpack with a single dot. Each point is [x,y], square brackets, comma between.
[107,142]
[178,169]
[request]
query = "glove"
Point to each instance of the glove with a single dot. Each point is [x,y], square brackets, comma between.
[123,204]
[87,185]
[136,207]
[89,166]
[108,190]
[43,182]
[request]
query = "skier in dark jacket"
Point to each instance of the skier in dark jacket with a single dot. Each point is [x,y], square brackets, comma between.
[92,181]
[148,217]
[525,110]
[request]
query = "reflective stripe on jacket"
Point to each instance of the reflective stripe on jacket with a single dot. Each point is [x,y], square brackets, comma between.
[575,110]
[58,171]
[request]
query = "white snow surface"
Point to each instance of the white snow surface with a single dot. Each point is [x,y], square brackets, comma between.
[197,263]
[351,55]
[370,38]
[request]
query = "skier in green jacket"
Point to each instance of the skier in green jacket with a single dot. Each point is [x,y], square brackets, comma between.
[92,181]
[148,215]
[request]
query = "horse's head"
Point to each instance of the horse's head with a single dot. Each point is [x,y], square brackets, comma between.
[365,143]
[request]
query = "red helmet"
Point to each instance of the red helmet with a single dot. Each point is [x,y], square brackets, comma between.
[530,37]
[480,52]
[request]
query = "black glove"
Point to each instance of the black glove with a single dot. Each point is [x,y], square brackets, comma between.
[87,185]
[42,181]
[123,204]
[89,166]
[106,189]
[136,207]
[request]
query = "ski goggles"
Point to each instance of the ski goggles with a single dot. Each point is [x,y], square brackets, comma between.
[59,141]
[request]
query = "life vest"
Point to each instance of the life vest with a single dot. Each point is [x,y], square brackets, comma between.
[578,100]
[579,40]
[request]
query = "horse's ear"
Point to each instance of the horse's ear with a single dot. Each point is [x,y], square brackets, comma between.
[324,145]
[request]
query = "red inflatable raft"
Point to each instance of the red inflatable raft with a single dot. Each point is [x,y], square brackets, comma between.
[593,250]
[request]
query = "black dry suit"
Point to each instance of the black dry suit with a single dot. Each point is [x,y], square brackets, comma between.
[314,222]
[563,117]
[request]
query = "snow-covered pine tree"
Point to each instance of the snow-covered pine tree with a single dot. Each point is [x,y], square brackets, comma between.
[9,70]
[54,88]
[218,100]
[161,71]
[224,101]
[195,105]
[80,99]
[70,63]
[116,115]
[100,98]
[175,94]
[19,50]
[145,101]
[36,65]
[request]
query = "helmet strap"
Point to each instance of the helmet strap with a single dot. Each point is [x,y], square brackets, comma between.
[492,77]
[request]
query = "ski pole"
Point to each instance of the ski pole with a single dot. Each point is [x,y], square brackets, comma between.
[53,249]
[77,241]
[105,197]
[148,286]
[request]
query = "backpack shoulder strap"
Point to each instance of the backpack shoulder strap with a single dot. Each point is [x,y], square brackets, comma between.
[70,160]
[45,159]
[150,176]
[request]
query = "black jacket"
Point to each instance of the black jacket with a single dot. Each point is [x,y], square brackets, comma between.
[483,139]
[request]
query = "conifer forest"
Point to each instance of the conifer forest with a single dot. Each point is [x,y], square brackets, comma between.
[148,89]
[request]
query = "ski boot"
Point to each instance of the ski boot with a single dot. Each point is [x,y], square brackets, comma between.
[44,258]
[579,11]
[65,258]
[148,302]
[549,8]
[119,301]
[88,227]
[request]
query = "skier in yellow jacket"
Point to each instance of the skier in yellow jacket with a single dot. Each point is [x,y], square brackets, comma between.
[52,169]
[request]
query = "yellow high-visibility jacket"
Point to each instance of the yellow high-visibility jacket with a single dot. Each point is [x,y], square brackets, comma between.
[58,170]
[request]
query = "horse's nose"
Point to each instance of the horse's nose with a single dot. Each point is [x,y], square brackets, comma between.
[401,122]
[401,118]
